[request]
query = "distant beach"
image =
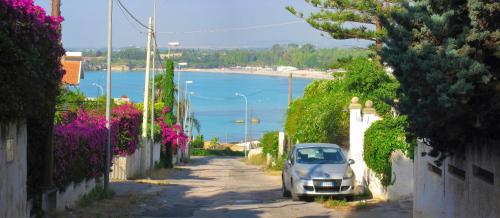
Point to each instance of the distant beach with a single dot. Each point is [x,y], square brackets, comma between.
[310,74]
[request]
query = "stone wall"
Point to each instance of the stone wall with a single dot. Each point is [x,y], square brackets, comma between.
[463,185]
[13,170]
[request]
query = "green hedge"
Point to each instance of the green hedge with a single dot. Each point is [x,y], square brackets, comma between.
[269,143]
[381,139]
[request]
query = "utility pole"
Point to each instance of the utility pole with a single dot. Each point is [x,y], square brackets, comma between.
[48,156]
[290,78]
[146,84]
[56,8]
[153,89]
[108,97]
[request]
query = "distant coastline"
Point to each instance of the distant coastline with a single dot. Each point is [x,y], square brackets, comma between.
[310,74]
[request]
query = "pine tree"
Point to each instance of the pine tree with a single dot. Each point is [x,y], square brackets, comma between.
[342,19]
[446,55]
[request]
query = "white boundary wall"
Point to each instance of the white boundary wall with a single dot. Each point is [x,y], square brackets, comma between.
[13,170]
[402,167]
[464,185]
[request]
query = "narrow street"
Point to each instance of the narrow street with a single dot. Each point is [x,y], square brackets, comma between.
[221,187]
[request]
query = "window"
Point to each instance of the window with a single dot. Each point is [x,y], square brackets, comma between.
[483,174]
[434,169]
[455,171]
[320,155]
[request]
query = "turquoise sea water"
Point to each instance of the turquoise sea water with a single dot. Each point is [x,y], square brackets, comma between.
[214,102]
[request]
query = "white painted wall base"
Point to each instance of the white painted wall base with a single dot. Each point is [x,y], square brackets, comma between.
[13,170]
[126,167]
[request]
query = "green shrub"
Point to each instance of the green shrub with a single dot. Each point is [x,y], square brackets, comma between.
[381,139]
[198,142]
[269,143]
[322,114]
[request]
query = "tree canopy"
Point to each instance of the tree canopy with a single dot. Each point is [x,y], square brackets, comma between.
[346,19]
[322,115]
[446,56]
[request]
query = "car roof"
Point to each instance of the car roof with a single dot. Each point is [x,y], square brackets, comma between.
[314,145]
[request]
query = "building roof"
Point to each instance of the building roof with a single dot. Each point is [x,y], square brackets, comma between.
[72,63]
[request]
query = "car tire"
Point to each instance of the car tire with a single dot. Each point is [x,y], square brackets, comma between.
[286,193]
[295,196]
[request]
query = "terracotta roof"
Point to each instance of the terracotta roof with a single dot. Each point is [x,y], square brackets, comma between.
[72,63]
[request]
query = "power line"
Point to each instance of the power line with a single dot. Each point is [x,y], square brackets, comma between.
[131,15]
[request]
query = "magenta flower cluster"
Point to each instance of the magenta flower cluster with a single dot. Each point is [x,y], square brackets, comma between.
[80,139]
[129,121]
[79,145]
[171,135]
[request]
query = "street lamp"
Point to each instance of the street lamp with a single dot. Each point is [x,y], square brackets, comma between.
[100,88]
[179,89]
[186,104]
[246,115]
[172,45]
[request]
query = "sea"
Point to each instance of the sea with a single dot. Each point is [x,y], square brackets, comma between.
[213,100]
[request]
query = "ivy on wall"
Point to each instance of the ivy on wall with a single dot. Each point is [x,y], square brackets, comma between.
[381,139]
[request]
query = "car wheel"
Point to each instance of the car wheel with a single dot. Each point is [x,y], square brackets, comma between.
[286,193]
[295,196]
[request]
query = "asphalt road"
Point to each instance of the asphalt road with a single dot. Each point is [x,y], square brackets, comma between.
[226,187]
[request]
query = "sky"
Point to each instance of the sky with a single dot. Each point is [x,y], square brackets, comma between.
[193,23]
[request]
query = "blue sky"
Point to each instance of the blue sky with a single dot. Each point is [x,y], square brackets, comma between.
[192,22]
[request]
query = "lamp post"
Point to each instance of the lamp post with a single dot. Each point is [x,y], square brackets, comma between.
[100,88]
[172,44]
[108,97]
[246,115]
[179,90]
[186,104]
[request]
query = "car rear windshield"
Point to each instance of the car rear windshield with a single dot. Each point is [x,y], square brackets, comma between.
[320,155]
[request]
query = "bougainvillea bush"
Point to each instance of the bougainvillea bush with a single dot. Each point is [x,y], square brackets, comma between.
[129,122]
[80,140]
[79,145]
[171,137]
[172,134]
[30,74]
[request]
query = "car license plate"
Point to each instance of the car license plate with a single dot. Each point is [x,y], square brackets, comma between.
[327,184]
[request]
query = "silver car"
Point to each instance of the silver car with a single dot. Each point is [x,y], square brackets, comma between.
[317,169]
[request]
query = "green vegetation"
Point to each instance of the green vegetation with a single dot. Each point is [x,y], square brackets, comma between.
[446,55]
[98,193]
[381,139]
[305,56]
[269,143]
[216,152]
[165,85]
[198,142]
[333,16]
[322,114]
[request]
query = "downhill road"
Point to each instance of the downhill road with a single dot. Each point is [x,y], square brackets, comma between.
[218,187]
[226,187]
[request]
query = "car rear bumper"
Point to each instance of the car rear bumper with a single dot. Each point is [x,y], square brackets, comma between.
[313,187]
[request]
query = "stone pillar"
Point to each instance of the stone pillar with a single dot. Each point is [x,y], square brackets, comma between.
[356,136]
[281,143]
[369,115]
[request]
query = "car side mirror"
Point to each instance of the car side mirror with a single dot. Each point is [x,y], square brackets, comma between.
[289,162]
[350,161]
